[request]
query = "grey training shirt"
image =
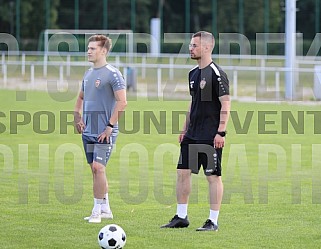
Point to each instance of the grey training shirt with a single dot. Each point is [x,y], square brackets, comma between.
[99,85]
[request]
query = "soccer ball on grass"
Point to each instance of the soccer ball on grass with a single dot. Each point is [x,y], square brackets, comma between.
[111,237]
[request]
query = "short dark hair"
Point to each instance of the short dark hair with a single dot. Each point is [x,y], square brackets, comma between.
[204,34]
[103,40]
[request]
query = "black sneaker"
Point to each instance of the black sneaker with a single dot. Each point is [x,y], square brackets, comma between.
[177,222]
[208,226]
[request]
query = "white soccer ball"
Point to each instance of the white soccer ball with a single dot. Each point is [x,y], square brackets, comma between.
[111,237]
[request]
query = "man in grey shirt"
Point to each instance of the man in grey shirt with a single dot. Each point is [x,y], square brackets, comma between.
[101,100]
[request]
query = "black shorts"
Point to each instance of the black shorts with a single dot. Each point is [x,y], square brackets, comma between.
[196,153]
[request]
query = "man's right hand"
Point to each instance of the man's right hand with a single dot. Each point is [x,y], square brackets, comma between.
[181,136]
[79,123]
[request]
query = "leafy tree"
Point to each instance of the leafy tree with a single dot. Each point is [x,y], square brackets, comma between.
[144,15]
[62,15]
[306,18]
[6,15]
[32,19]
[118,16]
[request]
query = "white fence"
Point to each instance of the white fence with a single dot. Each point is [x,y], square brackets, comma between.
[250,76]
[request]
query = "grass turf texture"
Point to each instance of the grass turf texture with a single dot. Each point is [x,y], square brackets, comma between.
[46,190]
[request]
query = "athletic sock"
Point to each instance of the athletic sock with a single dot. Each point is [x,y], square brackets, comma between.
[214,216]
[181,210]
[105,206]
[97,206]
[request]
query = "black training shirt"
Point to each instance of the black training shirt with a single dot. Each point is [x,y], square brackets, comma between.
[206,86]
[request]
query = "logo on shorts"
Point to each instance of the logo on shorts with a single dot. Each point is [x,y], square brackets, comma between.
[97,82]
[202,83]
[209,170]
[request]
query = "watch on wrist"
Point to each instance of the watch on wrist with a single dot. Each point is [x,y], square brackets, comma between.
[222,133]
[110,125]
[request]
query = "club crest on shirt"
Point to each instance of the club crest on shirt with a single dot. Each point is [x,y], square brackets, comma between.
[97,82]
[202,83]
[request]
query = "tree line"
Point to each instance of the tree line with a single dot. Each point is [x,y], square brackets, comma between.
[228,16]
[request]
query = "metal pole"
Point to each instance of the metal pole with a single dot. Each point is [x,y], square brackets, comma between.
[133,15]
[214,23]
[18,20]
[45,55]
[105,14]
[76,14]
[241,21]
[32,76]
[214,18]
[23,64]
[187,20]
[160,15]
[11,5]
[5,75]
[317,23]
[47,11]
[187,16]
[266,23]
[241,17]
[290,48]
[317,16]
[266,16]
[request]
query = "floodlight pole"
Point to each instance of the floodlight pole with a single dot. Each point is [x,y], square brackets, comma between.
[76,14]
[290,48]
[18,20]
[214,23]
[160,16]
[214,18]
[317,16]
[241,17]
[187,16]
[266,16]
[133,15]
[47,11]
[105,14]
[187,20]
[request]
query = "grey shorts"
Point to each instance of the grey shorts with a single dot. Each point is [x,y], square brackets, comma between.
[98,152]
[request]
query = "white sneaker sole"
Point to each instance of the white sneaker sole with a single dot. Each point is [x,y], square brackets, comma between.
[98,220]
[107,215]
[91,219]
[94,220]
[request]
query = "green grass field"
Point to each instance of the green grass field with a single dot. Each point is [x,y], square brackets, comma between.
[271,174]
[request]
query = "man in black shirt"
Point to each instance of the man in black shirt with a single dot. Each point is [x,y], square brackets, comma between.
[203,135]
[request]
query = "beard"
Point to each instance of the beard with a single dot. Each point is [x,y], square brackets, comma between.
[193,57]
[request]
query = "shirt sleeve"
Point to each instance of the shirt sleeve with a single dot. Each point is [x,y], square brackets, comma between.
[223,85]
[82,86]
[117,81]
